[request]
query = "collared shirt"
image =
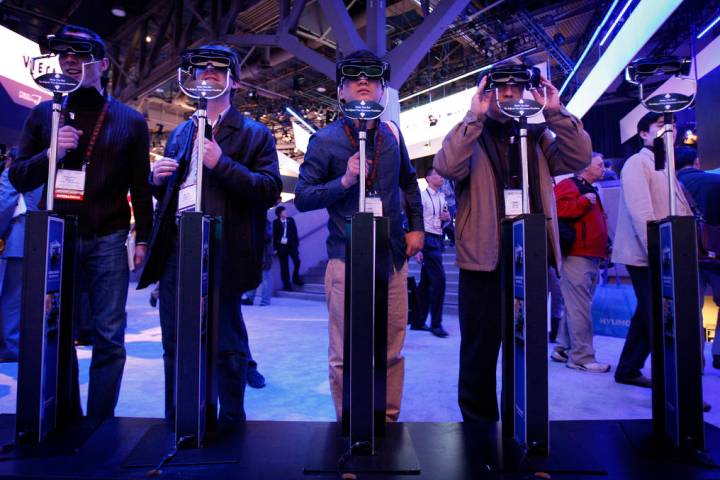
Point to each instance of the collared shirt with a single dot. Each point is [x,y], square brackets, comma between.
[433,205]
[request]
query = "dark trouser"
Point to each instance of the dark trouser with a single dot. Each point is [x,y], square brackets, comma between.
[431,292]
[283,253]
[233,349]
[104,263]
[481,333]
[637,343]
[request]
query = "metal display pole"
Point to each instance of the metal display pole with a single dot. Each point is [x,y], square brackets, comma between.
[47,396]
[196,312]
[524,402]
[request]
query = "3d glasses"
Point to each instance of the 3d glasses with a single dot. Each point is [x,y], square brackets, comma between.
[71,44]
[203,58]
[354,69]
[648,67]
[513,75]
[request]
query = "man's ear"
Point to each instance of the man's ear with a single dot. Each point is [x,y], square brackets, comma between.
[104,64]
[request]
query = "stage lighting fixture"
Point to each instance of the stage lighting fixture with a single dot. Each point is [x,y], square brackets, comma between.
[589,46]
[710,26]
[612,27]
[118,11]
[642,23]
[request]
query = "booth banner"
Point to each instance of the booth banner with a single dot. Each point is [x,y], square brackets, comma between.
[612,308]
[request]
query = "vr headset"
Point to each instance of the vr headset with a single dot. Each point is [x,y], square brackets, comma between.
[648,67]
[217,58]
[64,44]
[354,69]
[523,75]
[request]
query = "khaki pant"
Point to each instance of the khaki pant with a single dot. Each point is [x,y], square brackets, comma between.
[397,323]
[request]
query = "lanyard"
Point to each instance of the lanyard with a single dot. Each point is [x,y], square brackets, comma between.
[372,175]
[427,190]
[96,130]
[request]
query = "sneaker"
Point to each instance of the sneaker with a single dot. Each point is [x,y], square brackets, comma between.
[591,367]
[559,355]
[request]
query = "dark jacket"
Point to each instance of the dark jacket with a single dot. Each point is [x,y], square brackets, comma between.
[240,189]
[319,185]
[705,190]
[591,233]
[292,235]
[119,162]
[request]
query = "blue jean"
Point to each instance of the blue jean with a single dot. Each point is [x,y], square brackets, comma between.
[10,308]
[233,349]
[265,289]
[104,263]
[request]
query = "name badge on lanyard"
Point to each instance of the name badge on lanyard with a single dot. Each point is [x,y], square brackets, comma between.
[70,184]
[513,202]
[374,205]
[187,198]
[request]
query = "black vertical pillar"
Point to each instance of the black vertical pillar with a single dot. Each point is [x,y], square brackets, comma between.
[525,369]
[45,394]
[193,335]
[676,333]
[365,342]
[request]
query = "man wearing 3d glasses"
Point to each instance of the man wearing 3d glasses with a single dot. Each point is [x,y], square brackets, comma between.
[241,180]
[102,153]
[329,179]
[481,154]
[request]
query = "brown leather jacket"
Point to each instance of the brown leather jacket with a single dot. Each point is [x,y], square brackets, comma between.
[463,160]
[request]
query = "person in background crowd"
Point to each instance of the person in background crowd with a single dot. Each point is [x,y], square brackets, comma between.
[645,194]
[704,189]
[241,180]
[266,287]
[578,201]
[431,291]
[286,244]
[477,155]
[329,179]
[448,189]
[109,142]
[13,207]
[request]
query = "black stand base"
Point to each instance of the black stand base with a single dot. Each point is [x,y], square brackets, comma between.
[650,448]
[159,441]
[330,453]
[62,441]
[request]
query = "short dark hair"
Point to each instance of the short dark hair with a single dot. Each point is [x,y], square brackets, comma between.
[685,156]
[74,29]
[278,210]
[430,171]
[648,119]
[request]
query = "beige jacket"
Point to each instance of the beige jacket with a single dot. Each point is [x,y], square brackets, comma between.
[645,197]
[462,159]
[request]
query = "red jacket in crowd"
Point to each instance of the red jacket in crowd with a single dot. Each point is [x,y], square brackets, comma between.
[589,220]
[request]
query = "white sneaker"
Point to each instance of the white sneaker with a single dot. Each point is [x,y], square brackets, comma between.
[592,367]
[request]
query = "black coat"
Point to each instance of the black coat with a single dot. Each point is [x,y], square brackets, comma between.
[242,186]
[292,235]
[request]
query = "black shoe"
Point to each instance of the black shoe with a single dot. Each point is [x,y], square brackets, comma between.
[83,341]
[716,361]
[246,301]
[298,281]
[255,379]
[639,381]
[439,332]
[706,406]
[422,327]
[153,300]
[287,287]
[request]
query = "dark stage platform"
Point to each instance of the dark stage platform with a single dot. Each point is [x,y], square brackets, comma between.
[122,448]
